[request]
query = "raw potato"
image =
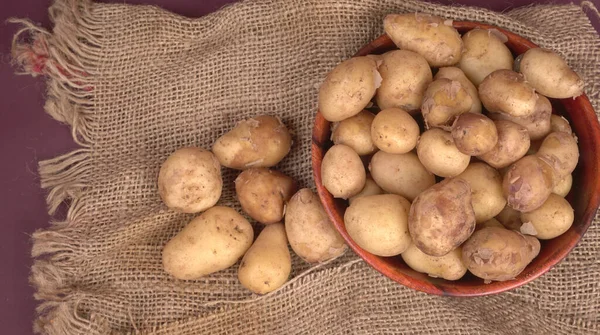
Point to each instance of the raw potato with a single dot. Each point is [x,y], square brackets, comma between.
[506,91]
[401,174]
[443,102]
[499,254]
[263,193]
[355,132]
[309,230]
[266,266]
[441,217]
[438,153]
[449,266]
[406,76]
[395,131]
[563,187]
[371,188]
[211,242]
[537,124]
[560,150]
[489,223]
[430,36]
[342,172]
[559,123]
[549,74]
[513,143]
[474,134]
[550,220]
[487,196]
[456,74]
[528,183]
[261,141]
[379,224]
[485,52]
[190,180]
[510,218]
[348,88]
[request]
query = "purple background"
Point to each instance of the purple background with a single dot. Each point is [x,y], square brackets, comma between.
[28,135]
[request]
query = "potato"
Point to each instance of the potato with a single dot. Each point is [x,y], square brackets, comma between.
[401,174]
[438,153]
[430,36]
[563,186]
[355,132]
[211,242]
[263,193]
[489,223]
[443,102]
[342,172]
[499,254]
[484,53]
[312,236]
[550,220]
[560,150]
[456,74]
[528,183]
[510,218]
[513,143]
[474,134]
[550,74]
[266,266]
[441,218]
[449,266]
[348,88]
[379,224]
[559,123]
[537,124]
[406,75]
[371,188]
[506,91]
[261,141]
[190,180]
[487,196]
[395,131]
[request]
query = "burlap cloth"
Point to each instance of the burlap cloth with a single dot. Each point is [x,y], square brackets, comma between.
[136,83]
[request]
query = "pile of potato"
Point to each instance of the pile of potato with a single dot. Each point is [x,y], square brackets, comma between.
[468,166]
[190,181]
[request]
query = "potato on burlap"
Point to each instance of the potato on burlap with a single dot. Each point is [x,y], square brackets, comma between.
[371,188]
[342,172]
[456,74]
[394,131]
[487,196]
[506,91]
[190,180]
[513,143]
[438,153]
[443,102]
[538,123]
[528,183]
[474,134]
[355,132]
[550,220]
[485,52]
[449,266]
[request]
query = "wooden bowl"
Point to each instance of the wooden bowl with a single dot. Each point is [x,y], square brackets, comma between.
[584,197]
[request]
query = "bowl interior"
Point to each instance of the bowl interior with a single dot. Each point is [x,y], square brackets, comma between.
[584,195]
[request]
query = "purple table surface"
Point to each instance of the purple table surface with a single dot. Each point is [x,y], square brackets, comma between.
[29,135]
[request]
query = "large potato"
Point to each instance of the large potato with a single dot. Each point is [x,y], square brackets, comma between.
[211,242]
[261,141]
[487,196]
[401,174]
[506,91]
[538,124]
[513,143]
[563,186]
[549,74]
[371,188]
[355,132]
[443,102]
[528,183]
[560,150]
[395,131]
[441,217]
[551,219]
[348,88]
[430,36]
[449,266]
[379,224]
[474,134]
[266,266]
[263,193]
[439,154]
[559,123]
[342,172]
[484,53]
[311,234]
[190,180]
[456,74]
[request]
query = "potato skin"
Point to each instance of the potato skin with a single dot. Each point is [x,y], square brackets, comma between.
[443,102]
[211,242]
[487,195]
[439,154]
[263,193]
[506,91]
[528,183]
[261,141]
[537,124]
[393,130]
[342,172]
[493,222]
[371,188]
[513,143]
[563,186]
[550,74]
[551,219]
[559,123]
[559,149]
[311,234]
[449,266]
[484,53]
[190,180]
[355,132]
[456,74]
[474,134]
[510,218]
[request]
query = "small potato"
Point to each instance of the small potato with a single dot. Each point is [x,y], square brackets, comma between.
[441,218]
[190,180]
[406,75]
[355,132]
[401,174]
[474,134]
[348,88]
[510,218]
[528,183]
[537,124]
[560,150]
[563,186]
[443,102]
[342,172]
[311,234]
[449,266]
[267,265]
[261,141]
[489,223]
[559,123]
[499,254]
[487,196]
[506,91]
[395,131]
[456,74]
[550,220]
[371,188]
[484,53]
[211,242]
[550,74]
[438,153]
[430,36]
[379,224]
[513,143]
[263,193]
